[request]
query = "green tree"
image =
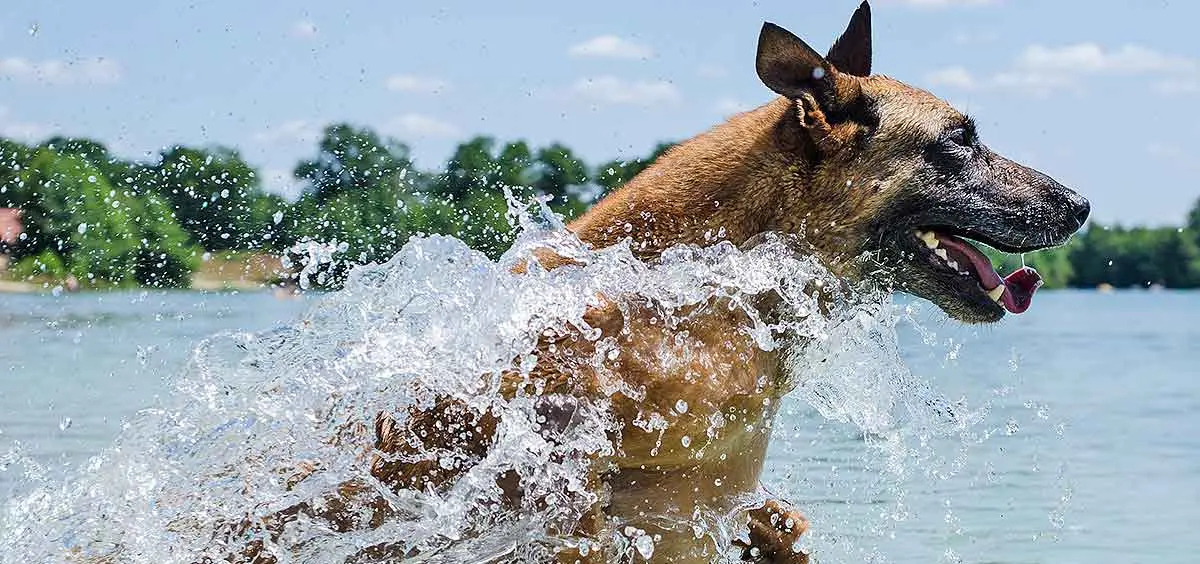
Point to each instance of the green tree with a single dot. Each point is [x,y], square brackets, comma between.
[560,174]
[216,196]
[14,157]
[616,173]
[1177,258]
[472,167]
[363,195]
[351,159]
[104,235]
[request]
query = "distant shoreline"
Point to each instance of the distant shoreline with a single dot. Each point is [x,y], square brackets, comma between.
[218,271]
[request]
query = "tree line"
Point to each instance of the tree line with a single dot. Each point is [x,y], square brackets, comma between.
[108,221]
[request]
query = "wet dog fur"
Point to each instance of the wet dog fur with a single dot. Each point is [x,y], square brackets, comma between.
[849,162]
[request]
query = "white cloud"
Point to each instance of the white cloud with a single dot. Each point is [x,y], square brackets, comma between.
[611,90]
[304,29]
[420,125]
[416,84]
[612,47]
[1037,84]
[292,131]
[954,77]
[1040,71]
[27,131]
[1090,58]
[89,71]
[729,106]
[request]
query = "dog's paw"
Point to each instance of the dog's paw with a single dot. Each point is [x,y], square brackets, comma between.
[774,529]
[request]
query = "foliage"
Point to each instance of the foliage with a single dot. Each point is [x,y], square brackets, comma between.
[46,264]
[103,234]
[352,160]
[215,196]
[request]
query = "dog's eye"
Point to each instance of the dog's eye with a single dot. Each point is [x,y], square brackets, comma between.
[957,136]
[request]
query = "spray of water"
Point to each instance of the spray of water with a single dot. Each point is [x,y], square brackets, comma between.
[260,423]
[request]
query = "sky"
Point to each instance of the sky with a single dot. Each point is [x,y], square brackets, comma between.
[1099,94]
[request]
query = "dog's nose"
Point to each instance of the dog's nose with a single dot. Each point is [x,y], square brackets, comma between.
[1083,209]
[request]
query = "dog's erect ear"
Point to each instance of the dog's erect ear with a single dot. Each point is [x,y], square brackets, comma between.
[851,53]
[787,65]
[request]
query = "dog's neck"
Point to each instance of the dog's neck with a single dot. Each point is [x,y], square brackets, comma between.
[728,184]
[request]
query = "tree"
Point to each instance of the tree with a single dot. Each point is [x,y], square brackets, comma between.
[616,173]
[351,159]
[513,165]
[1193,218]
[363,189]
[102,234]
[14,156]
[1177,258]
[213,193]
[472,167]
[558,173]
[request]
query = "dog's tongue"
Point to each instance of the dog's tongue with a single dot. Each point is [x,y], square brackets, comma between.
[1018,286]
[1021,284]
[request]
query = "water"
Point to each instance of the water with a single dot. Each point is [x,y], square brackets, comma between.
[1065,435]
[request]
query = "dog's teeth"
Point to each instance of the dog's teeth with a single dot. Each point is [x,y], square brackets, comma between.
[942,253]
[929,238]
[952,264]
[996,293]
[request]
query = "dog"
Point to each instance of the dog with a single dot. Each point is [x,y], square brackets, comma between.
[852,163]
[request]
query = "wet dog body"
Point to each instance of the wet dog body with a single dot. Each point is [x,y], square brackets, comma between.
[851,164]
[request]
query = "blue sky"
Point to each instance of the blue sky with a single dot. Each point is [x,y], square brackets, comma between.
[1099,94]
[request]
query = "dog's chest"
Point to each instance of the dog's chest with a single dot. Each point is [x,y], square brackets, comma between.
[701,390]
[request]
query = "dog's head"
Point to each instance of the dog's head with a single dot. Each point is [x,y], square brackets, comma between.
[895,172]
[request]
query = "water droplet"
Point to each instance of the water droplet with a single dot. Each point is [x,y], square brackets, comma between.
[687,441]
[681,406]
[82,228]
[64,424]
[1011,427]
[278,217]
[645,546]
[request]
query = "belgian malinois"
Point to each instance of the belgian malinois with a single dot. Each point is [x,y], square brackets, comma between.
[853,164]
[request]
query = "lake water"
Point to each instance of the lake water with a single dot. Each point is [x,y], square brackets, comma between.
[1086,447]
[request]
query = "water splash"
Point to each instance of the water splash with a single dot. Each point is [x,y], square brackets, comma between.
[251,412]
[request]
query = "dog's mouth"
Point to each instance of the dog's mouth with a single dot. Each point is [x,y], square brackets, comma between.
[962,266]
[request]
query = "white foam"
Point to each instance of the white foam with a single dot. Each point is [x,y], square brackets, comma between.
[429,322]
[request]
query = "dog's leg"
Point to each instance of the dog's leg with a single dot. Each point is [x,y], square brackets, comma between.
[774,529]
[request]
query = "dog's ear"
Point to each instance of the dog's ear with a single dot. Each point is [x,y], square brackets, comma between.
[787,65]
[851,53]
[791,68]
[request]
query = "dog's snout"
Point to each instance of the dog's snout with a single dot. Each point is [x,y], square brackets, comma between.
[1081,207]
